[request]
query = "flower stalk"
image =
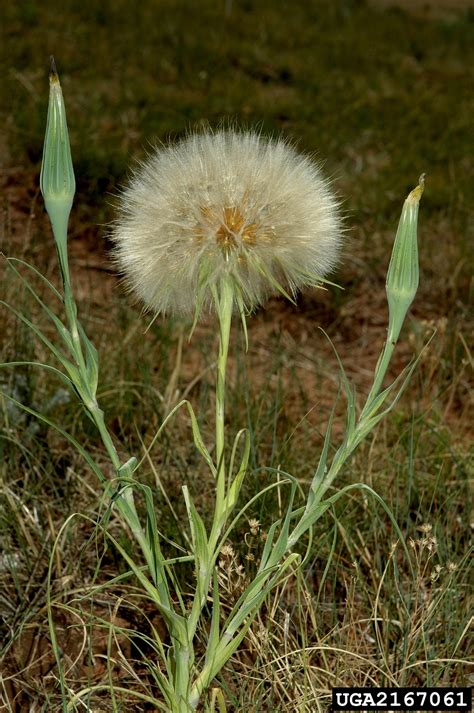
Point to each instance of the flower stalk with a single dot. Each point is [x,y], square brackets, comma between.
[401,284]
[224,307]
[58,187]
[401,287]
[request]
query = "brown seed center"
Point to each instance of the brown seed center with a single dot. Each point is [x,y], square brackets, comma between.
[232,228]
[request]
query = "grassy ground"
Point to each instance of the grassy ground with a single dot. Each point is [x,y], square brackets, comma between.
[380,95]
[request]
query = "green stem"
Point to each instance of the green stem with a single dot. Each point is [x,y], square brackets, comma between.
[71,312]
[380,372]
[98,416]
[346,449]
[125,502]
[58,212]
[224,306]
[184,664]
[224,301]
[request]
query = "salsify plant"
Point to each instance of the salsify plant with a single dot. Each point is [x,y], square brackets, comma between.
[213,224]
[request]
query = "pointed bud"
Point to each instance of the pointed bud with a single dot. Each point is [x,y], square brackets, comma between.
[403,271]
[57,180]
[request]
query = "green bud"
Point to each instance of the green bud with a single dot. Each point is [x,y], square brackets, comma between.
[57,180]
[403,271]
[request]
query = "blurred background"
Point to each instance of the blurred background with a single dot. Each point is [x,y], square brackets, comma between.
[379,91]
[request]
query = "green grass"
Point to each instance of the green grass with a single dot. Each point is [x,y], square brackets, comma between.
[380,97]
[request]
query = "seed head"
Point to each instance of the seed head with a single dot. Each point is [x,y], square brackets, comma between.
[254,526]
[224,205]
[227,551]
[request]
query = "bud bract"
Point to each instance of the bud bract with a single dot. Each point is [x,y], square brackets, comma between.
[403,271]
[57,180]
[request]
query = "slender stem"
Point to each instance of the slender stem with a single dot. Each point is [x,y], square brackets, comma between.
[125,502]
[71,312]
[224,305]
[59,217]
[380,371]
[345,450]
[224,308]
[182,676]
[98,416]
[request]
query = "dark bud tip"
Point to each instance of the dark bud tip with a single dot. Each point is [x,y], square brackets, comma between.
[53,73]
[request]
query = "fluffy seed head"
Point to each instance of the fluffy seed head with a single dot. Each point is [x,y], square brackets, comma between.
[224,205]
